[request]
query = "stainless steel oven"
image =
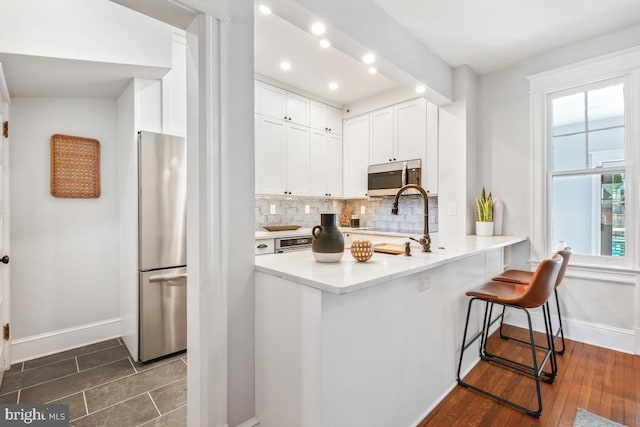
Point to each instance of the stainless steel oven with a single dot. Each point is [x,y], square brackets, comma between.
[387,178]
[292,244]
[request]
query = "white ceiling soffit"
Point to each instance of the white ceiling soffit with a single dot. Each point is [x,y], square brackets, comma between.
[35,76]
[173,12]
[312,67]
[490,35]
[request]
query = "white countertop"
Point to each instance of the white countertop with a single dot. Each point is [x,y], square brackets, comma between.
[349,276]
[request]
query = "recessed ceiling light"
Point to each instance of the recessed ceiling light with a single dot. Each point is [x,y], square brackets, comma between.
[324,43]
[369,58]
[373,70]
[265,9]
[318,28]
[420,89]
[285,65]
[333,85]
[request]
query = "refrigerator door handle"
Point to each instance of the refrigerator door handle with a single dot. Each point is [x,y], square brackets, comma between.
[167,278]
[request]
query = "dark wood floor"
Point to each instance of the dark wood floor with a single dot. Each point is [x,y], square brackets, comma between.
[601,381]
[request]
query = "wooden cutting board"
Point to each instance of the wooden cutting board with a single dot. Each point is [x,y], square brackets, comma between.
[389,248]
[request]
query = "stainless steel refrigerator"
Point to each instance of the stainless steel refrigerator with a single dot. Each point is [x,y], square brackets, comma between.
[162,260]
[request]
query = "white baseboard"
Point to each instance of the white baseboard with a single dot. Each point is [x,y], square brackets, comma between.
[610,337]
[250,423]
[35,346]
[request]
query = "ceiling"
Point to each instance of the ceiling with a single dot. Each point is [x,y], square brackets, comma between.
[36,76]
[489,35]
[312,67]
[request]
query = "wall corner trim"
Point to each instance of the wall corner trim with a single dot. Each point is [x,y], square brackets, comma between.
[47,343]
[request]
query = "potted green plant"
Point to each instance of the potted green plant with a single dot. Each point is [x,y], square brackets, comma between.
[484,212]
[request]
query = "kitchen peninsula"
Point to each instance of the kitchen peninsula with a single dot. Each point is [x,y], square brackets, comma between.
[367,344]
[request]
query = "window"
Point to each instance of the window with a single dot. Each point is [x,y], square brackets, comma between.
[587,168]
[585,131]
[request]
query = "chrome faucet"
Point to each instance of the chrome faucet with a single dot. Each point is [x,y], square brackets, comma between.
[425,241]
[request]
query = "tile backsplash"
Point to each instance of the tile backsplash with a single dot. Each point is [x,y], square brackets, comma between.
[410,213]
[290,211]
[377,212]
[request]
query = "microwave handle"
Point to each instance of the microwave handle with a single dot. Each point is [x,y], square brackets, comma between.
[405,173]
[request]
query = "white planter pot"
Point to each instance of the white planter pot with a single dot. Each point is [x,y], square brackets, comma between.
[484,228]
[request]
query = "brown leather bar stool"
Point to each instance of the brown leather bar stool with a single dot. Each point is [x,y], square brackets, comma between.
[523,277]
[520,297]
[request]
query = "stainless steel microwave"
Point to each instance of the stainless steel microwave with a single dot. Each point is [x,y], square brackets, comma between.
[387,178]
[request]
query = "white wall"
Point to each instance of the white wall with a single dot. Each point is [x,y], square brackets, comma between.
[138,109]
[600,306]
[97,30]
[457,170]
[503,128]
[64,260]
[238,212]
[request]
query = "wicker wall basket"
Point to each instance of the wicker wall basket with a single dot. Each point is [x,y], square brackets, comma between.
[75,167]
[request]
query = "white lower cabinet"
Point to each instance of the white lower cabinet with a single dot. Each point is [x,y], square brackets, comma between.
[264,246]
[325,167]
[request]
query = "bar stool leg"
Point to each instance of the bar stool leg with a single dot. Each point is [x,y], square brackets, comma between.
[483,335]
[546,376]
[560,330]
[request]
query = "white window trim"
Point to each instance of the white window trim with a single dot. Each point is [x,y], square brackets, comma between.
[623,65]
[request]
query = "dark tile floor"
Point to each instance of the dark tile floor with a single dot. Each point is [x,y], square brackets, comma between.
[103,386]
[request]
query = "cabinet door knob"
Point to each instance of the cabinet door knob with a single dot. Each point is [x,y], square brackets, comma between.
[285,117]
[394,158]
[5,259]
[389,159]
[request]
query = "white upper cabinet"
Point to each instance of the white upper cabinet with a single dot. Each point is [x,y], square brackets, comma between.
[281,157]
[334,120]
[356,156]
[399,133]
[326,118]
[279,103]
[297,164]
[297,109]
[410,137]
[318,163]
[271,134]
[382,147]
[325,168]
[270,100]
[298,144]
[334,168]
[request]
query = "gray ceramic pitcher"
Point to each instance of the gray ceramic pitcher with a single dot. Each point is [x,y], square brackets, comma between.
[328,242]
